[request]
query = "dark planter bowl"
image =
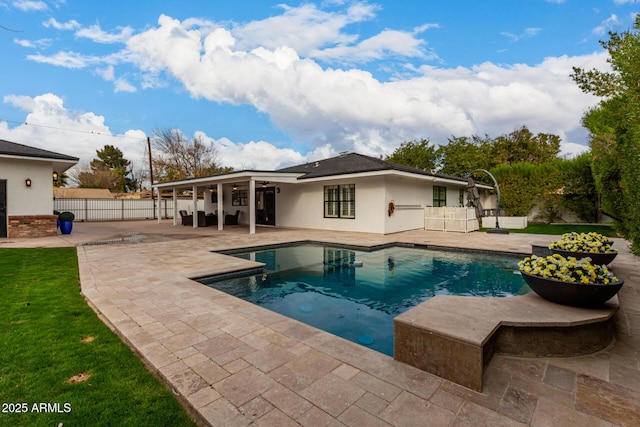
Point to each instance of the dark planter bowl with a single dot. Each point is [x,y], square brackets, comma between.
[596,258]
[573,294]
[66,227]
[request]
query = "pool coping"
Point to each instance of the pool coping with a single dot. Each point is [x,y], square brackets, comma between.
[522,325]
[461,338]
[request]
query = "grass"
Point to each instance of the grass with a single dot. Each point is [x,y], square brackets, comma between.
[55,351]
[560,229]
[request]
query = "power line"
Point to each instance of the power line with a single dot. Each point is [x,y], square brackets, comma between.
[10,29]
[75,130]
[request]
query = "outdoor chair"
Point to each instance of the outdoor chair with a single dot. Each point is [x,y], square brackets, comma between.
[186,218]
[202,219]
[212,219]
[231,219]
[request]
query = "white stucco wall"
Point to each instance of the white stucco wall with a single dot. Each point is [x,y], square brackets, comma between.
[302,205]
[23,200]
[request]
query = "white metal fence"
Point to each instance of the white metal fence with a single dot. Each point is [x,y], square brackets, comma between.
[120,209]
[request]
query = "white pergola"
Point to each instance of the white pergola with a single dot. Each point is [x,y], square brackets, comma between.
[218,182]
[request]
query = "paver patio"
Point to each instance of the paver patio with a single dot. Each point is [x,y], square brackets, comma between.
[235,364]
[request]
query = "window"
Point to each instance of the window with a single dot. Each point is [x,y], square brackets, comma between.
[461,193]
[340,201]
[439,196]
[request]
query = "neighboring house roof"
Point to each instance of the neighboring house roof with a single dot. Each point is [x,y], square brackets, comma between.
[82,193]
[61,162]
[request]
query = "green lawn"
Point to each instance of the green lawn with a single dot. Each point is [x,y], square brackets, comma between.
[58,362]
[560,229]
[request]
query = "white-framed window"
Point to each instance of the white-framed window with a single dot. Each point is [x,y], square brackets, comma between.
[340,201]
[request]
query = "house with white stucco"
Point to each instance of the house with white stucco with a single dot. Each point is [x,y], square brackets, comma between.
[349,192]
[26,189]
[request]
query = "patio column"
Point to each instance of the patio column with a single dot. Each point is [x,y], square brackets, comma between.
[175,206]
[220,206]
[195,206]
[252,206]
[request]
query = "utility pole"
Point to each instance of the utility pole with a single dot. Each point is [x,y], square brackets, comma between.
[153,199]
[150,163]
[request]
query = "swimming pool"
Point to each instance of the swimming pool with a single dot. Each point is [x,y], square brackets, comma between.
[355,293]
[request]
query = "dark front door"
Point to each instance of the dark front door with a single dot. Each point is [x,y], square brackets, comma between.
[266,206]
[3,208]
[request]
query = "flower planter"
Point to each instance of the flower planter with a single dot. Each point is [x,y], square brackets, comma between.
[570,293]
[598,258]
[66,227]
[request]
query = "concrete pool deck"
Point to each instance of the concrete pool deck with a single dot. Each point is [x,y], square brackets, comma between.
[235,364]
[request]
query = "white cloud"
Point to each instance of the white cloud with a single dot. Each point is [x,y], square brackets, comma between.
[527,33]
[29,5]
[607,25]
[67,26]
[570,150]
[96,34]
[624,1]
[259,155]
[67,59]
[33,43]
[51,126]
[333,109]
[121,85]
[350,109]
[107,74]
[304,29]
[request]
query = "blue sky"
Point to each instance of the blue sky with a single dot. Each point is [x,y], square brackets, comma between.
[272,84]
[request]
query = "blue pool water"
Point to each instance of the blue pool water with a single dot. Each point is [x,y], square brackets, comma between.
[356,294]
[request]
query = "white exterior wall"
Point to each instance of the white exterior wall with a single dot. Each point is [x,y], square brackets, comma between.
[23,200]
[302,206]
[410,197]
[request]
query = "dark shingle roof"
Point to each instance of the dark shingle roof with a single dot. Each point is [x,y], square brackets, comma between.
[14,149]
[354,163]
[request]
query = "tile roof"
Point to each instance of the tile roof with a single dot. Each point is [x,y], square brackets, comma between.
[14,149]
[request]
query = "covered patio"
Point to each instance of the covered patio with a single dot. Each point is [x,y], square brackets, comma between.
[250,194]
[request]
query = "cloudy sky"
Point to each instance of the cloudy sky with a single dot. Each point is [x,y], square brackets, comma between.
[273,84]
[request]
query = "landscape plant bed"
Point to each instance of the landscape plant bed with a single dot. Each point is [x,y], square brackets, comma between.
[59,363]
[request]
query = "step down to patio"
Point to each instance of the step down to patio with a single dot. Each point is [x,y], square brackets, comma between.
[455,337]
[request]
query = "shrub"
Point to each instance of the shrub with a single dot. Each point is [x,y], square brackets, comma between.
[66,217]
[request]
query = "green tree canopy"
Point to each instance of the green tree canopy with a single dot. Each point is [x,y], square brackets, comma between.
[615,130]
[418,154]
[523,146]
[110,170]
[462,155]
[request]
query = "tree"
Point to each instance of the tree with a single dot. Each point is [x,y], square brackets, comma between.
[178,158]
[579,193]
[417,154]
[110,170]
[462,155]
[522,146]
[614,126]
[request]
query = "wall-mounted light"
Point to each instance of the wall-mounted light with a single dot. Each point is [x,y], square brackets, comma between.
[277,189]
[211,189]
[27,182]
[264,184]
[54,175]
